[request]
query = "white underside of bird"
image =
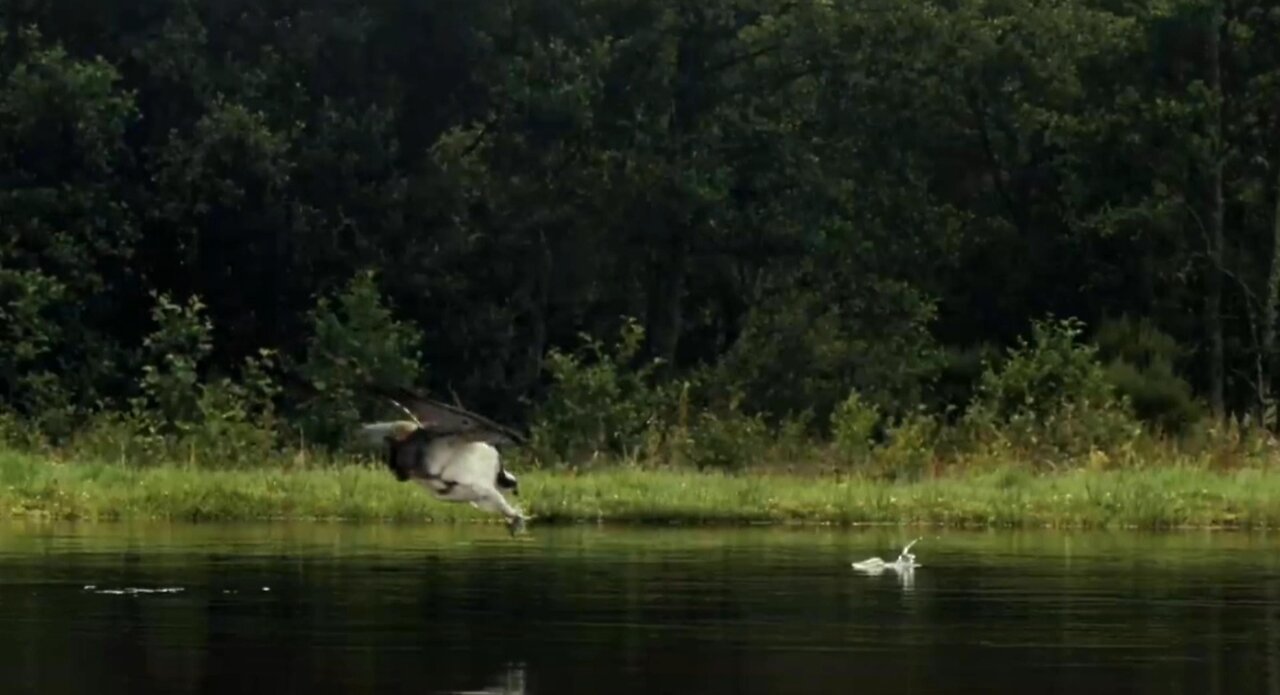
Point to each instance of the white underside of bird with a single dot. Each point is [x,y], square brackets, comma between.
[464,471]
[456,470]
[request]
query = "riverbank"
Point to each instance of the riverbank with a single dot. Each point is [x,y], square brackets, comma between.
[1164,497]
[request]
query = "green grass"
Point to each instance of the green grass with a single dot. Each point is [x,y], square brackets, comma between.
[1156,497]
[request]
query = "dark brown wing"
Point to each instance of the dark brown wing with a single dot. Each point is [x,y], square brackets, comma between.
[441,418]
[488,436]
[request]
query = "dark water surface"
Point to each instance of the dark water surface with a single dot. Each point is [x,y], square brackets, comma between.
[327,608]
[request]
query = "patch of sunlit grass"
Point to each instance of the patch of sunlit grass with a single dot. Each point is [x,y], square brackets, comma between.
[995,496]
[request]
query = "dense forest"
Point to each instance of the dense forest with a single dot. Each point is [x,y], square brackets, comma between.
[768,204]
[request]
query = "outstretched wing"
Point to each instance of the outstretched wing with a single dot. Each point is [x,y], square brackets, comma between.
[441,418]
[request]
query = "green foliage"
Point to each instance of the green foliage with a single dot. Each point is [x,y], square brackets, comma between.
[853,427]
[869,443]
[960,374]
[1140,363]
[356,343]
[597,404]
[600,408]
[173,353]
[728,442]
[232,165]
[239,422]
[1041,376]
[801,352]
[66,231]
[795,201]
[49,91]
[910,446]
[182,414]
[62,148]
[1157,394]
[1137,342]
[1051,395]
[19,434]
[29,336]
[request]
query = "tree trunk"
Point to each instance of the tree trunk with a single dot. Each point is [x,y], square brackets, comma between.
[666,299]
[676,222]
[537,300]
[1213,296]
[1270,306]
[15,18]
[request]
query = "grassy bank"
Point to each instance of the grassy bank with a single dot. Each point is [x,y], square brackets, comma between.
[31,486]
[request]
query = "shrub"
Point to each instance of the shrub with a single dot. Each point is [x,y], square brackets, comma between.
[729,442]
[1140,363]
[853,425]
[802,350]
[909,446]
[29,337]
[597,404]
[238,424]
[355,342]
[172,353]
[1051,396]
[181,416]
[959,377]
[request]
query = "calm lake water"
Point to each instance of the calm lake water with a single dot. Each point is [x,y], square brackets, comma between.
[329,608]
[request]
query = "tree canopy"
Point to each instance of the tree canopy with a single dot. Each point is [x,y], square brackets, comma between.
[790,199]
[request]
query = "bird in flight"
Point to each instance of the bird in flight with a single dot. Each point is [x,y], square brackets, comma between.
[450,451]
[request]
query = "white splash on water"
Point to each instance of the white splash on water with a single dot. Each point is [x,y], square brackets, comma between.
[905,563]
[134,590]
[137,591]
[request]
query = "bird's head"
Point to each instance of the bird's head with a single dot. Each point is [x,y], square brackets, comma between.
[380,432]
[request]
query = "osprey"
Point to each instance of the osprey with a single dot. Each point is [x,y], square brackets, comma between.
[451,452]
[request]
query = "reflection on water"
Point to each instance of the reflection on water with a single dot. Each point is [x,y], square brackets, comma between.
[329,608]
[906,576]
[509,682]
